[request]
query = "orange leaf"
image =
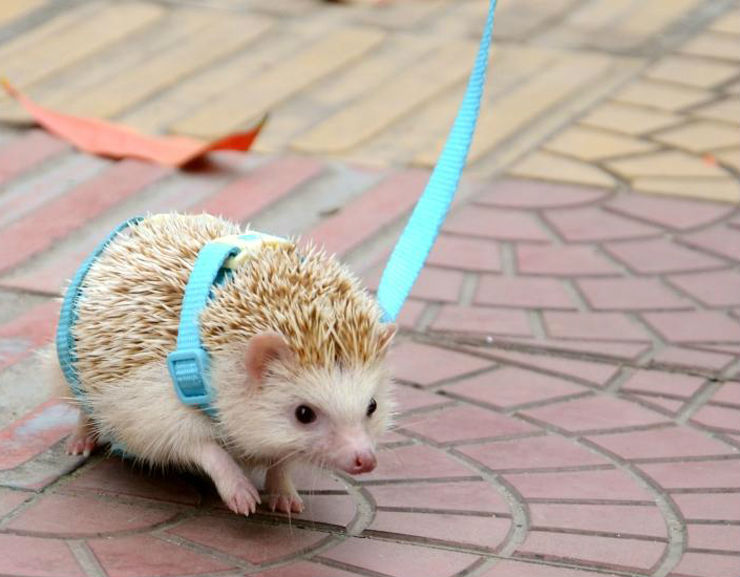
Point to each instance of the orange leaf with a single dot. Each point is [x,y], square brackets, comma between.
[118,141]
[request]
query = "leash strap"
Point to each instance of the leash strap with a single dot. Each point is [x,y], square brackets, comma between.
[422,228]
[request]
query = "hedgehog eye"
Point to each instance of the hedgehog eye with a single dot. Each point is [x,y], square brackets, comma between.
[305,414]
[371,407]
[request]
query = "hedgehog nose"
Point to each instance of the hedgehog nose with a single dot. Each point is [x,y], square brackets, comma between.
[364,462]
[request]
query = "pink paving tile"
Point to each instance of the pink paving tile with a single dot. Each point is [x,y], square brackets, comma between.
[719,537]
[538,194]
[670,405]
[692,358]
[592,372]
[304,569]
[595,413]
[703,564]
[460,319]
[252,542]
[624,350]
[605,551]
[532,453]
[600,326]
[511,568]
[410,398]
[673,213]
[728,392]
[34,557]
[244,198]
[35,432]
[470,254]
[425,365]
[620,519]
[399,559]
[661,255]
[661,443]
[464,529]
[718,418]
[410,313]
[511,386]
[436,284]
[144,555]
[306,478]
[714,289]
[674,384]
[415,462]
[499,224]
[464,423]
[718,240]
[695,474]
[631,294]
[25,152]
[476,496]
[522,292]
[563,261]
[695,326]
[332,509]
[26,332]
[77,516]
[10,499]
[708,506]
[608,485]
[369,213]
[596,225]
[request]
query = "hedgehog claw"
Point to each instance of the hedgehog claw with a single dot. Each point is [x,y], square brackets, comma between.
[83,441]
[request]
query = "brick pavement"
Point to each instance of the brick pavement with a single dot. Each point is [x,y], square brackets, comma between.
[569,366]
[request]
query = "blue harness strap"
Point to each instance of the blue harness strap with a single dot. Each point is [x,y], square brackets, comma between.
[417,239]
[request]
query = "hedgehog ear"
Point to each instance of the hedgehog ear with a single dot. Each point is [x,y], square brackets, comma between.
[387,333]
[262,350]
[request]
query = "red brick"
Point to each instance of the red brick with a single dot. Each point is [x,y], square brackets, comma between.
[244,198]
[399,559]
[369,213]
[511,386]
[718,418]
[695,474]
[34,557]
[482,320]
[78,516]
[593,224]
[464,423]
[436,284]
[304,569]
[661,255]
[28,151]
[621,519]
[522,292]
[718,240]
[717,289]
[532,453]
[662,443]
[35,432]
[27,332]
[510,568]
[595,413]
[415,462]
[703,564]
[674,384]
[425,365]
[612,485]
[496,224]
[605,551]
[477,496]
[410,398]
[694,326]
[603,326]
[144,555]
[709,506]
[689,357]
[42,228]
[719,537]
[10,499]
[673,213]
[538,194]
[596,373]
[471,254]
[465,529]
[631,294]
[563,261]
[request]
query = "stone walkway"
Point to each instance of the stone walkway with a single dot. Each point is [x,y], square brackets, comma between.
[569,366]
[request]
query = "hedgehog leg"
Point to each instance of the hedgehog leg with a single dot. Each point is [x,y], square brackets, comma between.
[281,493]
[84,439]
[237,491]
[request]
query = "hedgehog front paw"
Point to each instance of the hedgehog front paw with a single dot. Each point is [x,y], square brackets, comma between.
[242,498]
[281,495]
[84,440]
[285,503]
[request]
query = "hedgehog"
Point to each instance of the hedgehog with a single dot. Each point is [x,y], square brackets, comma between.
[297,353]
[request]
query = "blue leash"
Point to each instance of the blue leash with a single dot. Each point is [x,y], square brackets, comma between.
[422,228]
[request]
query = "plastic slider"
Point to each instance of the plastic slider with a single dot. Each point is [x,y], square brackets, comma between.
[189,371]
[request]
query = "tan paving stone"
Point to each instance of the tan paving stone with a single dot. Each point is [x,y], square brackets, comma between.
[12,9]
[649,18]
[712,45]
[691,71]
[592,144]
[727,110]
[547,166]
[669,97]
[719,189]
[628,119]
[700,136]
[731,156]
[668,163]
[729,23]
[254,96]
[733,88]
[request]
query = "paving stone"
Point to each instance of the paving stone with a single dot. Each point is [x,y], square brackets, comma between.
[338,510]
[714,289]
[469,254]
[627,119]
[590,371]
[728,392]
[699,564]
[725,110]
[631,294]
[671,213]
[410,398]
[607,485]
[725,189]
[26,332]
[718,537]
[729,157]
[521,292]
[548,166]
[592,144]
[510,568]
[415,462]
[671,163]
[511,386]
[481,320]
[618,519]
[476,496]
[304,569]
[661,255]
[662,443]
[563,261]
[694,475]
[37,557]
[670,405]
[718,418]
[728,22]
[708,506]
[656,382]
[700,136]
[10,499]
[662,95]
[516,193]
[712,45]
[22,154]
[602,326]
[697,72]
[591,224]
[721,241]
[694,326]
[426,365]
[497,224]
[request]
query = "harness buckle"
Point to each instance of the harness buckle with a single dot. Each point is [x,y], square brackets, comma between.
[189,371]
